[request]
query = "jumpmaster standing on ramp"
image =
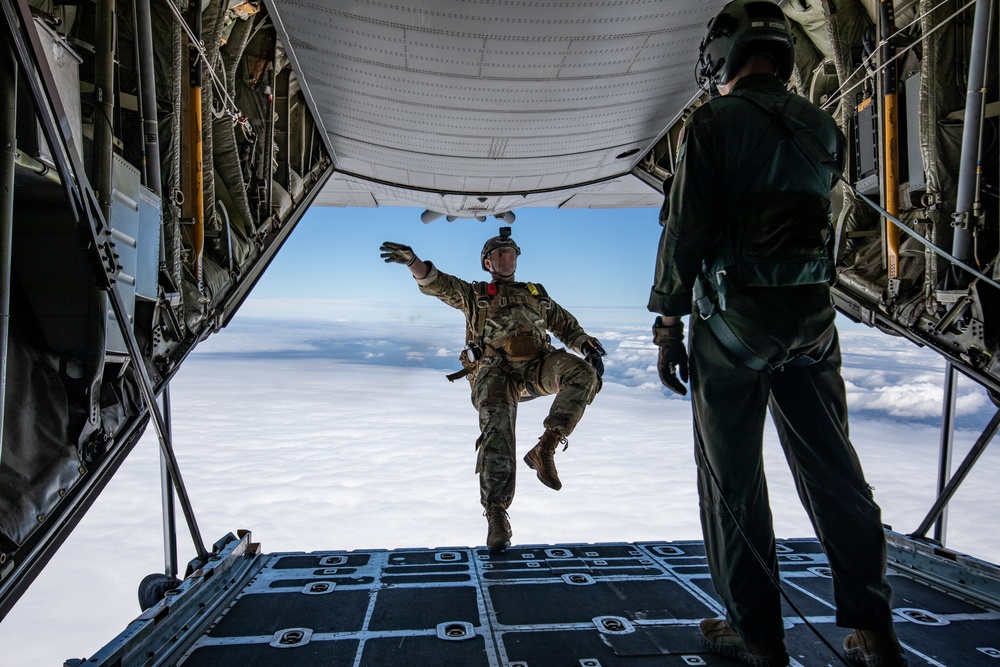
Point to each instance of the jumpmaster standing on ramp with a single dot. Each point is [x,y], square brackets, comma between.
[747,247]
[508,358]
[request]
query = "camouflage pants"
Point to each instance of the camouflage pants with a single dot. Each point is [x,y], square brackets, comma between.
[495,394]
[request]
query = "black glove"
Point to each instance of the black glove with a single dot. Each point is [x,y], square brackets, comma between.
[673,357]
[592,353]
[397,253]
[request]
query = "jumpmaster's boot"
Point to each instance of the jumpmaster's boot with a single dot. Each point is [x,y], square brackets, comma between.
[874,648]
[499,534]
[540,459]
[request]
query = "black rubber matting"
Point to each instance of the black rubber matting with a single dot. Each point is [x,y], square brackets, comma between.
[593,605]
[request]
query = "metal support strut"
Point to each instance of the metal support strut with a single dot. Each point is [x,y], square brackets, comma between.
[145,386]
[151,172]
[963,470]
[8,149]
[947,443]
[147,101]
[104,103]
[970,168]
[167,489]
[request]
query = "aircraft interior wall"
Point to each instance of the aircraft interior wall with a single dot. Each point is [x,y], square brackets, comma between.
[932,49]
[74,396]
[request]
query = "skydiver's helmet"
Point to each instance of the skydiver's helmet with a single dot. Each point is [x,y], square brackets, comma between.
[739,24]
[502,241]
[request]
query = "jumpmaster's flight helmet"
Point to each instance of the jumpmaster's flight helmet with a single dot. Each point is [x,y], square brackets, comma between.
[502,241]
[740,23]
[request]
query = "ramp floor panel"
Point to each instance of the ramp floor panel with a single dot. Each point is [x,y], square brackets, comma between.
[579,605]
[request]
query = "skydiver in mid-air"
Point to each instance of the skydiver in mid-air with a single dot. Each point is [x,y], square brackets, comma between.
[508,357]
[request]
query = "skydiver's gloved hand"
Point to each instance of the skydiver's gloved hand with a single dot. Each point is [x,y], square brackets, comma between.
[592,353]
[397,253]
[673,356]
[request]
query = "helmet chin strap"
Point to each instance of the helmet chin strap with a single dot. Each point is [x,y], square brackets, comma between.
[500,275]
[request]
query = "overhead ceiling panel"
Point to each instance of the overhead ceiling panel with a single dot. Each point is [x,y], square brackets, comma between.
[461,95]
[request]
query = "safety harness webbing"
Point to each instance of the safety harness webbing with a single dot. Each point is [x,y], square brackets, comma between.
[731,342]
[725,334]
[483,301]
[809,144]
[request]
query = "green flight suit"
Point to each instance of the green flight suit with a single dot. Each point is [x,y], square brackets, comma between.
[747,217]
[498,382]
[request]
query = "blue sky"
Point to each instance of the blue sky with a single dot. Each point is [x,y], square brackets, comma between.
[583,257]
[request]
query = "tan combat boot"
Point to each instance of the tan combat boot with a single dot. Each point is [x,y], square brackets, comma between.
[499,533]
[720,638]
[540,459]
[874,648]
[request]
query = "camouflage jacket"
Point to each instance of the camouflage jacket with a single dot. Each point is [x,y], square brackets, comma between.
[524,315]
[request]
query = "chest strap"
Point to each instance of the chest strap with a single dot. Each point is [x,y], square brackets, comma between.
[486,297]
[709,312]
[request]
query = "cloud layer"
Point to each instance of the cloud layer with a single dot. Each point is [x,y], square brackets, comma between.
[328,434]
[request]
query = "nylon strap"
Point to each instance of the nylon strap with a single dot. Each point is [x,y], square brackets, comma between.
[731,342]
[807,142]
[708,311]
[458,374]
[477,323]
[483,303]
[476,332]
[744,354]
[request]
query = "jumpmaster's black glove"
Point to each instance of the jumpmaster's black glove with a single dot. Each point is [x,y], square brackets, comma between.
[592,353]
[397,253]
[673,357]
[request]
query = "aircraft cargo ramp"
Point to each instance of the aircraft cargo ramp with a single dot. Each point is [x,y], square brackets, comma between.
[580,605]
